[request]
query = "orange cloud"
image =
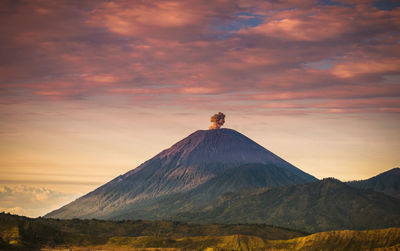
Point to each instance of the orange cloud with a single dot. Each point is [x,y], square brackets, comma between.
[102,78]
[318,28]
[367,67]
[201,90]
[138,18]
[325,23]
[334,92]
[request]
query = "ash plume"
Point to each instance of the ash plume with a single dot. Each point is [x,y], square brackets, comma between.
[218,120]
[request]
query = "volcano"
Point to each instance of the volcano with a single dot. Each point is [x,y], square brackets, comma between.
[198,169]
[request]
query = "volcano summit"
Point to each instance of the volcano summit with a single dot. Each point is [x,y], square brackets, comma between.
[220,158]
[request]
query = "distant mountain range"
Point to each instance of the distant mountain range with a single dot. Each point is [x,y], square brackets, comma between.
[222,176]
[387,182]
[317,206]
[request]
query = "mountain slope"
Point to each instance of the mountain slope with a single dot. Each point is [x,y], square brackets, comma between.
[246,176]
[183,167]
[232,179]
[387,182]
[318,206]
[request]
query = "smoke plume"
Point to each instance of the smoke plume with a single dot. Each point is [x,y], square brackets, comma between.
[218,120]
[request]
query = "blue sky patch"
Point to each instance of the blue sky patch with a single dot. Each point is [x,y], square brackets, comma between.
[324,64]
[387,4]
[243,20]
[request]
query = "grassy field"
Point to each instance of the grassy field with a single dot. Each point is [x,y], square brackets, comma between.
[21,233]
[385,239]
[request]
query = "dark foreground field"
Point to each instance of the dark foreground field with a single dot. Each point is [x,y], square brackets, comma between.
[21,233]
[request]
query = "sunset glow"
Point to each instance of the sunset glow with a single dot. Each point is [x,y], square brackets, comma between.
[91,89]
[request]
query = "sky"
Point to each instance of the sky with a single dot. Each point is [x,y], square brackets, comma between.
[91,89]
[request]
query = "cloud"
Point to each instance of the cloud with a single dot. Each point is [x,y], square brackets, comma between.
[32,201]
[92,50]
[342,106]
[339,92]
[202,90]
[176,20]
[316,29]
[367,67]
[326,24]
[133,18]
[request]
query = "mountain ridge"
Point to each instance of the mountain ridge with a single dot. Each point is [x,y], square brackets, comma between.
[323,205]
[387,182]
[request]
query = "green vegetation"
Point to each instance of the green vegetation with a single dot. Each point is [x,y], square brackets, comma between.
[387,182]
[21,233]
[342,240]
[313,207]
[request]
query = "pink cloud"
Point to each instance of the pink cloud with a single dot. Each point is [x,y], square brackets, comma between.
[193,51]
[338,106]
[102,78]
[130,18]
[334,92]
[352,69]
[313,29]
[201,90]
[323,23]
[159,19]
